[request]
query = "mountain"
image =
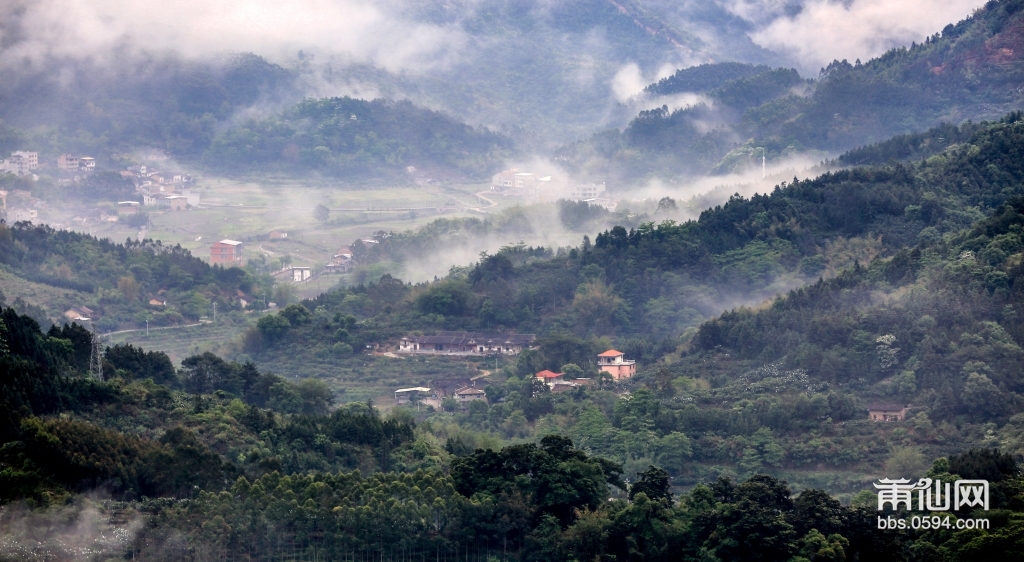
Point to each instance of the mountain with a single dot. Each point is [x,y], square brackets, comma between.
[969,71]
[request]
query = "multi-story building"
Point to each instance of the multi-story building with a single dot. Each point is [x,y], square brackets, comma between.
[67,163]
[86,164]
[615,363]
[585,191]
[20,163]
[227,252]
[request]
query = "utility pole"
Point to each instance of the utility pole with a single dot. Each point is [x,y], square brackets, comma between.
[214,313]
[764,172]
[147,328]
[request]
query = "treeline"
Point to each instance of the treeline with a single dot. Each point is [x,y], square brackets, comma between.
[704,78]
[549,502]
[358,139]
[123,278]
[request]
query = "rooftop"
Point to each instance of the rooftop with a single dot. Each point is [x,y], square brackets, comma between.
[229,242]
[469,390]
[887,407]
[546,374]
[413,389]
[611,353]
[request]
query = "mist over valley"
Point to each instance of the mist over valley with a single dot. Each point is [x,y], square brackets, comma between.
[517,280]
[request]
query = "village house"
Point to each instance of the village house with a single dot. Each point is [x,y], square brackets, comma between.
[191,197]
[175,202]
[67,163]
[341,262]
[226,252]
[408,395]
[469,393]
[887,412]
[20,163]
[615,364]
[522,184]
[277,234]
[295,274]
[549,377]
[78,313]
[157,302]
[86,164]
[127,207]
[563,386]
[585,191]
[19,215]
[466,342]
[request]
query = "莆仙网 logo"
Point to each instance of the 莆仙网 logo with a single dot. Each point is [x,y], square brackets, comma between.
[965,493]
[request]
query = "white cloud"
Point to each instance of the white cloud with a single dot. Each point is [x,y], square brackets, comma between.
[628,82]
[826,30]
[364,29]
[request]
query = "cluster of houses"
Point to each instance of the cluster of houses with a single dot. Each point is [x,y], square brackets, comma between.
[479,343]
[340,262]
[21,163]
[612,363]
[162,189]
[535,187]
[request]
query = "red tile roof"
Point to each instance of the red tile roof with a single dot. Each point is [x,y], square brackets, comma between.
[611,353]
[546,374]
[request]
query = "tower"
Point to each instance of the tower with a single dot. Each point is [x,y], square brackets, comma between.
[96,357]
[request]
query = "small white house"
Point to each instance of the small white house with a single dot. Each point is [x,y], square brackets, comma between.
[408,395]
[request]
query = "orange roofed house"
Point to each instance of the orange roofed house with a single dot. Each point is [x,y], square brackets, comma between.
[615,363]
[227,252]
[549,377]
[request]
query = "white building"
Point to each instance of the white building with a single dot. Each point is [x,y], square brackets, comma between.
[585,191]
[408,395]
[18,215]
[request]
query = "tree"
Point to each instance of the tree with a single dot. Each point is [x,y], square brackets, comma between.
[317,397]
[321,213]
[572,371]
[273,326]
[655,483]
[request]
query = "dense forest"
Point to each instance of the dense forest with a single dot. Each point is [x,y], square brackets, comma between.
[964,72]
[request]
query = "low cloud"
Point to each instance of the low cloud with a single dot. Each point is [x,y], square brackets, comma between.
[820,31]
[363,29]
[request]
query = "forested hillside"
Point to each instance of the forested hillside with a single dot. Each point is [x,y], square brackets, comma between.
[118,281]
[971,70]
[726,436]
[654,281]
[353,138]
